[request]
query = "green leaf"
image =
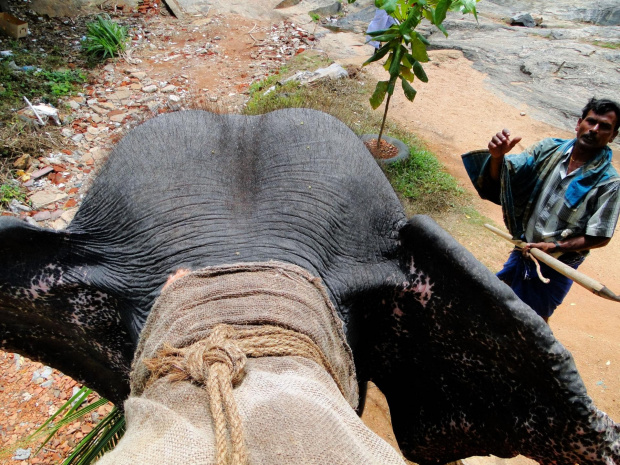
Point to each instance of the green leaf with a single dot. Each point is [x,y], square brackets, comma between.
[73,413]
[419,72]
[383,31]
[388,62]
[395,65]
[388,5]
[408,60]
[465,7]
[101,439]
[379,94]
[406,74]
[391,85]
[429,14]
[378,54]
[384,38]
[409,91]
[418,50]
[441,10]
[423,39]
[410,22]
[442,29]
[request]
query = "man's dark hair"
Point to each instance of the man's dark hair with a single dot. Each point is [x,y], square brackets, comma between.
[600,107]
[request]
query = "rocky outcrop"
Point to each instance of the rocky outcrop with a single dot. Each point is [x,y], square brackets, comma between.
[554,66]
[599,12]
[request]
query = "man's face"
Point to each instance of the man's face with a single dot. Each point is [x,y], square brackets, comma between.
[596,131]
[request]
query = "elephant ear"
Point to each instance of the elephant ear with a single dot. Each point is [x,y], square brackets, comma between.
[52,312]
[468,369]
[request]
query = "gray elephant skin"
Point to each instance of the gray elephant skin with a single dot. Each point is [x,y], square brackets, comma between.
[467,369]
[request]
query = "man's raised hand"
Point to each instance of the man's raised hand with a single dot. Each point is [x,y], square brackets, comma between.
[501,143]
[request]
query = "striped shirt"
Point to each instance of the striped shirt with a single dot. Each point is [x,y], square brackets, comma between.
[551,219]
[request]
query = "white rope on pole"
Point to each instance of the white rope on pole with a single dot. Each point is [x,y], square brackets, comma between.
[583,280]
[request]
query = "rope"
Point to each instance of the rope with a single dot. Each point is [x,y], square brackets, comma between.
[538,270]
[218,363]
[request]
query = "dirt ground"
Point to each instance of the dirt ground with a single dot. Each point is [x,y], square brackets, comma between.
[454,113]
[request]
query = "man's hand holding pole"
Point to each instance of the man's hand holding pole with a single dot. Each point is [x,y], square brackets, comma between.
[590,284]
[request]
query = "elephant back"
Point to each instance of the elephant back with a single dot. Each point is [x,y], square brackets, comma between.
[194,189]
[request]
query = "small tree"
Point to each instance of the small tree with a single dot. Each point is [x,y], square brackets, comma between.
[406,48]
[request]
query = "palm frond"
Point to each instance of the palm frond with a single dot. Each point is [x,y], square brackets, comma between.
[100,440]
[103,437]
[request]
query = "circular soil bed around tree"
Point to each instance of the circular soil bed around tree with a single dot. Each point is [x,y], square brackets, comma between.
[391,149]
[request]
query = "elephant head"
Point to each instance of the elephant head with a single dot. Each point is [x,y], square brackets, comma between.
[467,369]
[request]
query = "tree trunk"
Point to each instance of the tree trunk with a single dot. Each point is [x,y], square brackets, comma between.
[378,147]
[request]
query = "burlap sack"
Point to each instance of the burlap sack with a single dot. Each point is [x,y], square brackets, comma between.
[291,409]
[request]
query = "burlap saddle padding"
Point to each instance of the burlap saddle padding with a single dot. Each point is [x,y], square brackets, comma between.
[292,410]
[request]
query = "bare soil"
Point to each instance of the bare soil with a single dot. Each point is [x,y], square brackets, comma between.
[454,113]
[386,150]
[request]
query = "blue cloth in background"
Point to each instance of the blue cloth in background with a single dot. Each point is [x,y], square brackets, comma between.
[520,274]
[380,22]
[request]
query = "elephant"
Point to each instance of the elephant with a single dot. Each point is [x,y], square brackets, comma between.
[466,367]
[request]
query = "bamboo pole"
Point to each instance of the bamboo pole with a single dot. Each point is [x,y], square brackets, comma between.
[583,280]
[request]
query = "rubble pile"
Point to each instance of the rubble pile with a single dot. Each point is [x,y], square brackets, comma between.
[149,7]
[283,41]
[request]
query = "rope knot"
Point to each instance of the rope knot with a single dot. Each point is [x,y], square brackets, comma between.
[220,348]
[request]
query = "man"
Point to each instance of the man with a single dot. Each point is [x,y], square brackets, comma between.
[559,196]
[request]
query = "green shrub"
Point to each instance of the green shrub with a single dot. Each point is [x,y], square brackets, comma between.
[104,39]
[61,82]
[10,191]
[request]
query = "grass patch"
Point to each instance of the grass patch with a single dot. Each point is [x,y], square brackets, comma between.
[42,82]
[63,82]
[601,43]
[9,191]
[420,181]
